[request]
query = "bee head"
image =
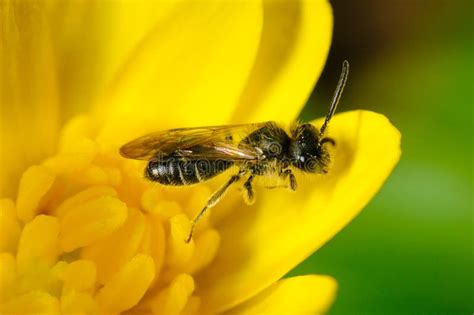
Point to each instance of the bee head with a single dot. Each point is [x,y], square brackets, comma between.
[307,151]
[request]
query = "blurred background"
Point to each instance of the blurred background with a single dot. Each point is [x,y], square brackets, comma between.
[411,249]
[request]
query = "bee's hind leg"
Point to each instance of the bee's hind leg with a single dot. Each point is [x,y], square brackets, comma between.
[249,195]
[215,198]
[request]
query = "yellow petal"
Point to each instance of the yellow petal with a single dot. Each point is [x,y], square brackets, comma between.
[38,242]
[260,244]
[113,29]
[41,68]
[29,105]
[302,295]
[34,185]
[296,36]
[190,69]
[128,286]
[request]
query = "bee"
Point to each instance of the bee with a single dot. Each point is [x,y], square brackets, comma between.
[187,156]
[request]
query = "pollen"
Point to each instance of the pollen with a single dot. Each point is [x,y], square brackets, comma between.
[89,234]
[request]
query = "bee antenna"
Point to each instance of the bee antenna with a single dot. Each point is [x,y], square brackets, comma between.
[336,97]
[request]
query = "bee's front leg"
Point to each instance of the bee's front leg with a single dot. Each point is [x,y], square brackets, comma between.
[288,173]
[249,195]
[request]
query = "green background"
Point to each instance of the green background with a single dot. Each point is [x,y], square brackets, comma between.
[411,248]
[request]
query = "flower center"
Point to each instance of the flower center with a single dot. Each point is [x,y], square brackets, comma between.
[89,234]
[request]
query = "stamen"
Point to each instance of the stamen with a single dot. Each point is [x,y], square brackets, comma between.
[173,299]
[7,275]
[34,185]
[9,226]
[122,245]
[88,222]
[207,245]
[79,275]
[128,286]
[82,197]
[92,222]
[30,250]
[34,302]
[179,253]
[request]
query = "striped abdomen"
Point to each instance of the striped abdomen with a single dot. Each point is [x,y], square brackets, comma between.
[177,171]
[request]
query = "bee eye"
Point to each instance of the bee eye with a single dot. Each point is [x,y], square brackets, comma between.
[306,132]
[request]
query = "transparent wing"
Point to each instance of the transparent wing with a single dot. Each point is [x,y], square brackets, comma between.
[214,142]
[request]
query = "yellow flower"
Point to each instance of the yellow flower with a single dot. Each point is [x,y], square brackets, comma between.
[87,234]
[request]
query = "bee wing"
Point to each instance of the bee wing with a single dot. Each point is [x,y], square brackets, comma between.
[206,142]
[221,150]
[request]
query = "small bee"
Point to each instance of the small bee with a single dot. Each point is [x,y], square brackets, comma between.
[187,156]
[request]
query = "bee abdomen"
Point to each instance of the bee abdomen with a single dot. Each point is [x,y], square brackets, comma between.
[178,171]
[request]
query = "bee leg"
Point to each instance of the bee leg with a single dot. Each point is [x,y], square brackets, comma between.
[249,195]
[215,198]
[289,173]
